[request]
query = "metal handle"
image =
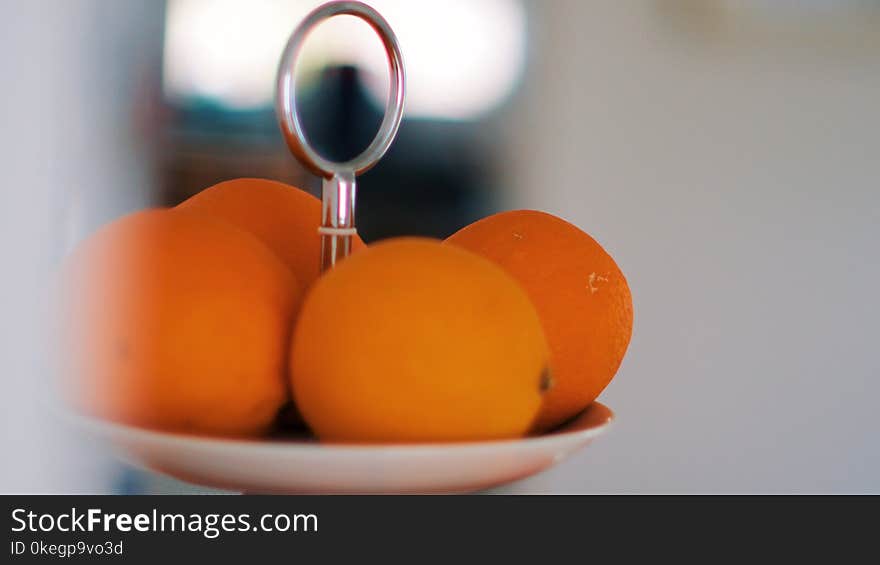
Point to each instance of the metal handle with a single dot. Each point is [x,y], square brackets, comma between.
[339,189]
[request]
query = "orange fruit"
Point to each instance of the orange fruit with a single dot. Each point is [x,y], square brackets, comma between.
[411,340]
[180,322]
[284,217]
[581,296]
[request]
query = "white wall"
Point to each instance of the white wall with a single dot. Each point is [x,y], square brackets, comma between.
[734,172]
[70,158]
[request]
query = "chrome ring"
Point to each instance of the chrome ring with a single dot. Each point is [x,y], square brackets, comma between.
[285,101]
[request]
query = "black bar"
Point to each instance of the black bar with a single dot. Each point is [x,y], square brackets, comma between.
[415,529]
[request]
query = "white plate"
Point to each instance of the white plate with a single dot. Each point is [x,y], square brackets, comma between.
[305,466]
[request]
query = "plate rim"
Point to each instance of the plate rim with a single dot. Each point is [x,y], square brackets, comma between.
[104,427]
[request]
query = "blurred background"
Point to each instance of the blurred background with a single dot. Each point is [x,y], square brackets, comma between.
[725,152]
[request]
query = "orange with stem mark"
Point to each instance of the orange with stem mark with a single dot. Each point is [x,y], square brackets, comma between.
[580,294]
[411,340]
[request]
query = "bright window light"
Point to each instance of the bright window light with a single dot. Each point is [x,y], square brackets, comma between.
[463,57]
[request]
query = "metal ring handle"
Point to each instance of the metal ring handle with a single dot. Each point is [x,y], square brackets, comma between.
[285,103]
